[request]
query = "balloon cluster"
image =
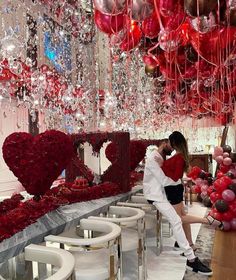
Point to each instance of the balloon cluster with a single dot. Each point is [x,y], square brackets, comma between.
[203,185]
[190,44]
[224,202]
[222,156]
[224,198]
[219,192]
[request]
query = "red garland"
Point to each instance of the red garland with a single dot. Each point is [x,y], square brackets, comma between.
[13,220]
[135,177]
[10,203]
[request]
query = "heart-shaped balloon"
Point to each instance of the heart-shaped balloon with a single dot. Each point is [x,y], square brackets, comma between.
[37,161]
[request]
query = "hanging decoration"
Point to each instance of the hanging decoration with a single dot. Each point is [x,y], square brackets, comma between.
[188,47]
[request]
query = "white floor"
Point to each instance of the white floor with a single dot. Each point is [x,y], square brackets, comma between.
[169,265]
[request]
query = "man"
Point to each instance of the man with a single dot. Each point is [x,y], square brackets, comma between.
[153,188]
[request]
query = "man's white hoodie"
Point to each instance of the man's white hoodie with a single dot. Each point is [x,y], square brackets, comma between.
[154,179]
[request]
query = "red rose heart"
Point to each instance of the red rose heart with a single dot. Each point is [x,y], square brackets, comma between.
[117,173]
[137,152]
[37,161]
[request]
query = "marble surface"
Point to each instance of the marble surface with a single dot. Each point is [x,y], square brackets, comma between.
[56,222]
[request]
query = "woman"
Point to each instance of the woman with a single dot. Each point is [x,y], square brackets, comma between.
[174,168]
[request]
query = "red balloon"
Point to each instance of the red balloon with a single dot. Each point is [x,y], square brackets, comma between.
[217,40]
[205,69]
[227,181]
[217,215]
[224,118]
[175,21]
[107,23]
[197,189]
[219,174]
[194,172]
[132,37]
[176,56]
[224,168]
[169,71]
[222,183]
[167,7]
[190,73]
[7,75]
[227,216]
[210,190]
[151,27]
[150,61]
[232,208]
[227,36]
[214,196]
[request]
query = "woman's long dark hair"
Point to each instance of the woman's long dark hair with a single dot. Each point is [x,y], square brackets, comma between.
[178,142]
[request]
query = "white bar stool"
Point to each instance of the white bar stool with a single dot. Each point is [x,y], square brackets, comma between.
[131,238]
[164,228]
[96,258]
[152,221]
[53,256]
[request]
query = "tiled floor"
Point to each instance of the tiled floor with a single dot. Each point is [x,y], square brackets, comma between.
[169,265]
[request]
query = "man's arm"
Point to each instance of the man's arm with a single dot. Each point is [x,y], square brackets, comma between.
[157,172]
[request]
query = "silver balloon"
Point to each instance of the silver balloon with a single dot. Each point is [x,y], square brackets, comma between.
[232,4]
[167,41]
[110,7]
[141,9]
[16,67]
[204,24]
[11,47]
[209,82]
